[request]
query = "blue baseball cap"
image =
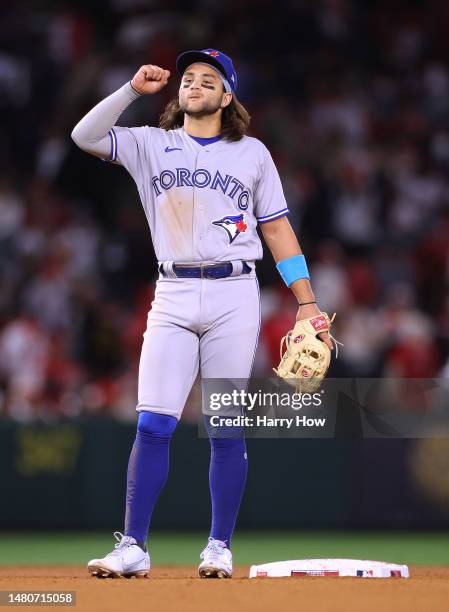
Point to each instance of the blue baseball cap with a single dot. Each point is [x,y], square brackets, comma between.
[214,58]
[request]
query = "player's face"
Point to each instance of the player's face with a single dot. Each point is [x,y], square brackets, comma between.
[201,91]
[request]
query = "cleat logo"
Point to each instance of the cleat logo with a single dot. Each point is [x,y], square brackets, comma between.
[233,225]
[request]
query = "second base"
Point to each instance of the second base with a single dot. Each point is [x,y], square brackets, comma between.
[329,567]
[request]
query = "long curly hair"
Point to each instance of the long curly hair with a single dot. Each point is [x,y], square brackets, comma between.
[235,119]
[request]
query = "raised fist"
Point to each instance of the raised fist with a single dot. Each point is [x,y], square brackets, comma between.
[150,79]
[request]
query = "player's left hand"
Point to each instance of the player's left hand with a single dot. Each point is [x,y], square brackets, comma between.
[312,310]
[305,357]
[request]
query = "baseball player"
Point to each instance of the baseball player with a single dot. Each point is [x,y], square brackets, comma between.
[205,186]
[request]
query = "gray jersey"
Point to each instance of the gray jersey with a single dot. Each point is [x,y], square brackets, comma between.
[202,203]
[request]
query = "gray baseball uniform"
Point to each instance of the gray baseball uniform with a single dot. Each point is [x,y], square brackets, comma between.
[202,204]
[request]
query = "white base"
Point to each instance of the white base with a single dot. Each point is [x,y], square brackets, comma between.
[329,567]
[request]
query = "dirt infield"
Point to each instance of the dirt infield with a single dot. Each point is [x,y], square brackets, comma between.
[178,588]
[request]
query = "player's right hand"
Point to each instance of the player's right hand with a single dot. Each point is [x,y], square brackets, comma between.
[150,79]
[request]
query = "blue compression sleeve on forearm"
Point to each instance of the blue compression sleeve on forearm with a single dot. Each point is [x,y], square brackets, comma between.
[293,269]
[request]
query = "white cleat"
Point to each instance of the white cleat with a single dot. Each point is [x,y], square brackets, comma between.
[126,560]
[217,560]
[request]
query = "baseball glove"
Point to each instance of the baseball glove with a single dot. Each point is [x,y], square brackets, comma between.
[306,359]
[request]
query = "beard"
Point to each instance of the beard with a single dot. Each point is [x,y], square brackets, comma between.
[205,110]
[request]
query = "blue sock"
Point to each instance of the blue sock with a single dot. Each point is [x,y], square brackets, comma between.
[147,472]
[227,479]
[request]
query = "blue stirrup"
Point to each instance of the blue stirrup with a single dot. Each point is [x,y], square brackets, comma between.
[153,423]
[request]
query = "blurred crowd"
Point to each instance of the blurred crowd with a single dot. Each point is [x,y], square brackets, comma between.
[351,98]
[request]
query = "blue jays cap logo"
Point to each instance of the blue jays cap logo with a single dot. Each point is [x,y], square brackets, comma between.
[219,60]
[233,225]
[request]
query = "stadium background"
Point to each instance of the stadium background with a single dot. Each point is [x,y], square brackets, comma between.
[352,99]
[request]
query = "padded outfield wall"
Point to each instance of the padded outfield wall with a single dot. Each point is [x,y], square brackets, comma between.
[72,475]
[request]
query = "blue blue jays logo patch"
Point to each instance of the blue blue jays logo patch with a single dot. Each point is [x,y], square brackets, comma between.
[233,225]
